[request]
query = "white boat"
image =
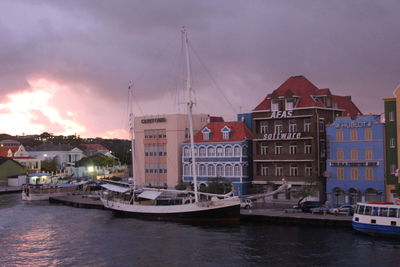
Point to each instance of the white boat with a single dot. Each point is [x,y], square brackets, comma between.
[172,205]
[32,192]
[377,218]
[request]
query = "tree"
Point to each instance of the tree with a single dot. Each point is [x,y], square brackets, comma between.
[97,160]
[49,165]
[308,189]
[217,185]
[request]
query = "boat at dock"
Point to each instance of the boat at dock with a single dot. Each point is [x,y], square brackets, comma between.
[32,192]
[381,218]
[169,204]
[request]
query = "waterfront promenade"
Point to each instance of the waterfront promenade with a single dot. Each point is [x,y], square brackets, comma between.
[10,189]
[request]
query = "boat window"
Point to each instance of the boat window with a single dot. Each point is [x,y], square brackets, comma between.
[383,212]
[361,209]
[367,210]
[392,212]
[375,211]
[393,223]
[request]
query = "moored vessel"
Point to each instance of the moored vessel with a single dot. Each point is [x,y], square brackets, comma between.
[381,218]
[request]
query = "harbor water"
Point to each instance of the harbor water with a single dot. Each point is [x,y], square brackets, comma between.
[43,234]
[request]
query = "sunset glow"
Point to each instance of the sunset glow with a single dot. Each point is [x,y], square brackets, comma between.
[33,111]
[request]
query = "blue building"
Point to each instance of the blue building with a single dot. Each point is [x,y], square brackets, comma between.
[222,149]
[355,165]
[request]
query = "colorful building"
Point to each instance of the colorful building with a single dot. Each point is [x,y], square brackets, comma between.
[158,142]
[14,150]
[392,111]
[289,134]
[9,168]
[355,165]
[222,149]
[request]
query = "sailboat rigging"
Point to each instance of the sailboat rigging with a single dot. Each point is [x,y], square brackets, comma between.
[167,204]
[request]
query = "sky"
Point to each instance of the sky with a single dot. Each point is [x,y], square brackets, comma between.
[65,65]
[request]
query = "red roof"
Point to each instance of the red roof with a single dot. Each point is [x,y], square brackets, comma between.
[4,150]
[239,132]
[307,93]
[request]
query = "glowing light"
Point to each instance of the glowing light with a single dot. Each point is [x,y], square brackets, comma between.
[90,169]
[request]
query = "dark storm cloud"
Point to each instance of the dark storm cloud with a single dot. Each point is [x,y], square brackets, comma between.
[250,47]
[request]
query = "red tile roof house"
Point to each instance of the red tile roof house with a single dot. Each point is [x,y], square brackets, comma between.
[222,149]
[289,134]
[17,152]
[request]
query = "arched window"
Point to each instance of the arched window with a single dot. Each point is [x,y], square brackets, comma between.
[354,196]
[220,171]
[211,151]
[228,151]
[186,170]
[202,151]
[202,170]
[244,152]
[237,151]
[236,170]
[186,152]
[244,170]
[211,170]
[228,171]
[338,196]
[220,151]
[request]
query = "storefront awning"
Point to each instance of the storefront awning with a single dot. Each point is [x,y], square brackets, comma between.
[115,188]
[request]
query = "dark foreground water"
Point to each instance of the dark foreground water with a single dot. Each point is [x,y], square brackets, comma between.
[42,234]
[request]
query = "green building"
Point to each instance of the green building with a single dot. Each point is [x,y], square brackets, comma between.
[392,168]
[9,168]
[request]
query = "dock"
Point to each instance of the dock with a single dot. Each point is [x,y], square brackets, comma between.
[79,201]
[294,217]
[10,189]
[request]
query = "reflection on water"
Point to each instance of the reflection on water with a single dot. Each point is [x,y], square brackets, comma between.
[40,234]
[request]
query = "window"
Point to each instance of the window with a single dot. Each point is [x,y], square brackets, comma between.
[368,134]
[392,143]
[308,169]
[393,169]
[236,170]
[369,174]
[278,126]
[225,135]
[202,170]
[220,171]
[220,151]
[237,151]
[263,148]
[186,169]
[274,105]
[228,151]
[202,151]
[263,127]
[391,116]
[354,173]
[354,154]
[292,126]
[244,151]
[264,170]
[353,135]
[289,104]
[228,170]
[321,125]
[368,154]
[340,173]
[206,134]
[244,170]
[339,135]
[294,170]
[339,154]
[307,148]
[211,170]
[307,124]
[278,170]
[278,148]
[293,148]
[211,151]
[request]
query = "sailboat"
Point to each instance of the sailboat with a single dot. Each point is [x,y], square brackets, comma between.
[167,204]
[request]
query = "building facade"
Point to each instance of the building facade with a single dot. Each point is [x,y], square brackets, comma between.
[14,150]
[392,111]
[222,150]
[355,165]
[289,137]
[158,142]
[65,154]
[9,168]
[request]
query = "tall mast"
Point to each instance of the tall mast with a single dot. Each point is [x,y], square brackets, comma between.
[190,106]
[131,128]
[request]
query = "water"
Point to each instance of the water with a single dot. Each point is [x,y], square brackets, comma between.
[43,234]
